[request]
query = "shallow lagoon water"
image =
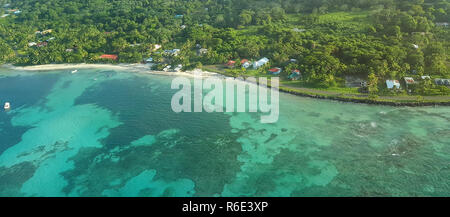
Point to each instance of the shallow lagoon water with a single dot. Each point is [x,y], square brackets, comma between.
[113,133]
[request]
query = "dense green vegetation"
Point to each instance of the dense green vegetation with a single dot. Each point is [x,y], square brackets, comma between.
[330,39]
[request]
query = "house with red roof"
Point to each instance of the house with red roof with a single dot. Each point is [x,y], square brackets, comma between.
[295,75]
[275,71]
[109,56]
[230,64]
[42,44]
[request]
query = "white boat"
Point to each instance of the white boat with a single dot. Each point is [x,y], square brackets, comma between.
[7,106]
[74,71]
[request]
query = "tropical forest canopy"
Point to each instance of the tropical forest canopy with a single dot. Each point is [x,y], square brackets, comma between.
[328,38]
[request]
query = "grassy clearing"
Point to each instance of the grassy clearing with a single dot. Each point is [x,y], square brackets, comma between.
[347,17]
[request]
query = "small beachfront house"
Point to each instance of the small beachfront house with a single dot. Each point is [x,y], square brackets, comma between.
[156,47]
[444,24]
[178,68]
[4,15]
[440,81]
[31,44]
[392,83]
[260,63]
[149,60]
[230,64]
[109,56]
[295,75]
[167,68]
[173,52]
[245,63]
[409,80]
[202,51]
[425,77]
[275,71]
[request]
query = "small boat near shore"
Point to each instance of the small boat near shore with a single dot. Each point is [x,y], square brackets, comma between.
[74,71]
[7,106]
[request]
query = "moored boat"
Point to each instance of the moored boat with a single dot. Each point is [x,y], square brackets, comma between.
[7,106]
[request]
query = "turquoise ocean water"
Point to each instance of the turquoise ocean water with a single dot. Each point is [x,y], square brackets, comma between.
[113,133]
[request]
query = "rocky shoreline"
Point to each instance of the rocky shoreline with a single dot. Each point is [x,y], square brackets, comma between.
[366,101]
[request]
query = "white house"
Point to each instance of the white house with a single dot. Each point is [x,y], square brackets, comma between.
[260,62]
[444,24]
[156,47]
[178,68]
[392,83]
[202,51]
[246,65]
[149,60]
[167,68]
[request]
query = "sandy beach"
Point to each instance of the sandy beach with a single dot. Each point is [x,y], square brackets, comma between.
[130,67]
[304,92]
[140,68]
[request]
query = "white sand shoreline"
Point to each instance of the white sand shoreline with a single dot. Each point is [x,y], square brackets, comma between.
[136,67]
